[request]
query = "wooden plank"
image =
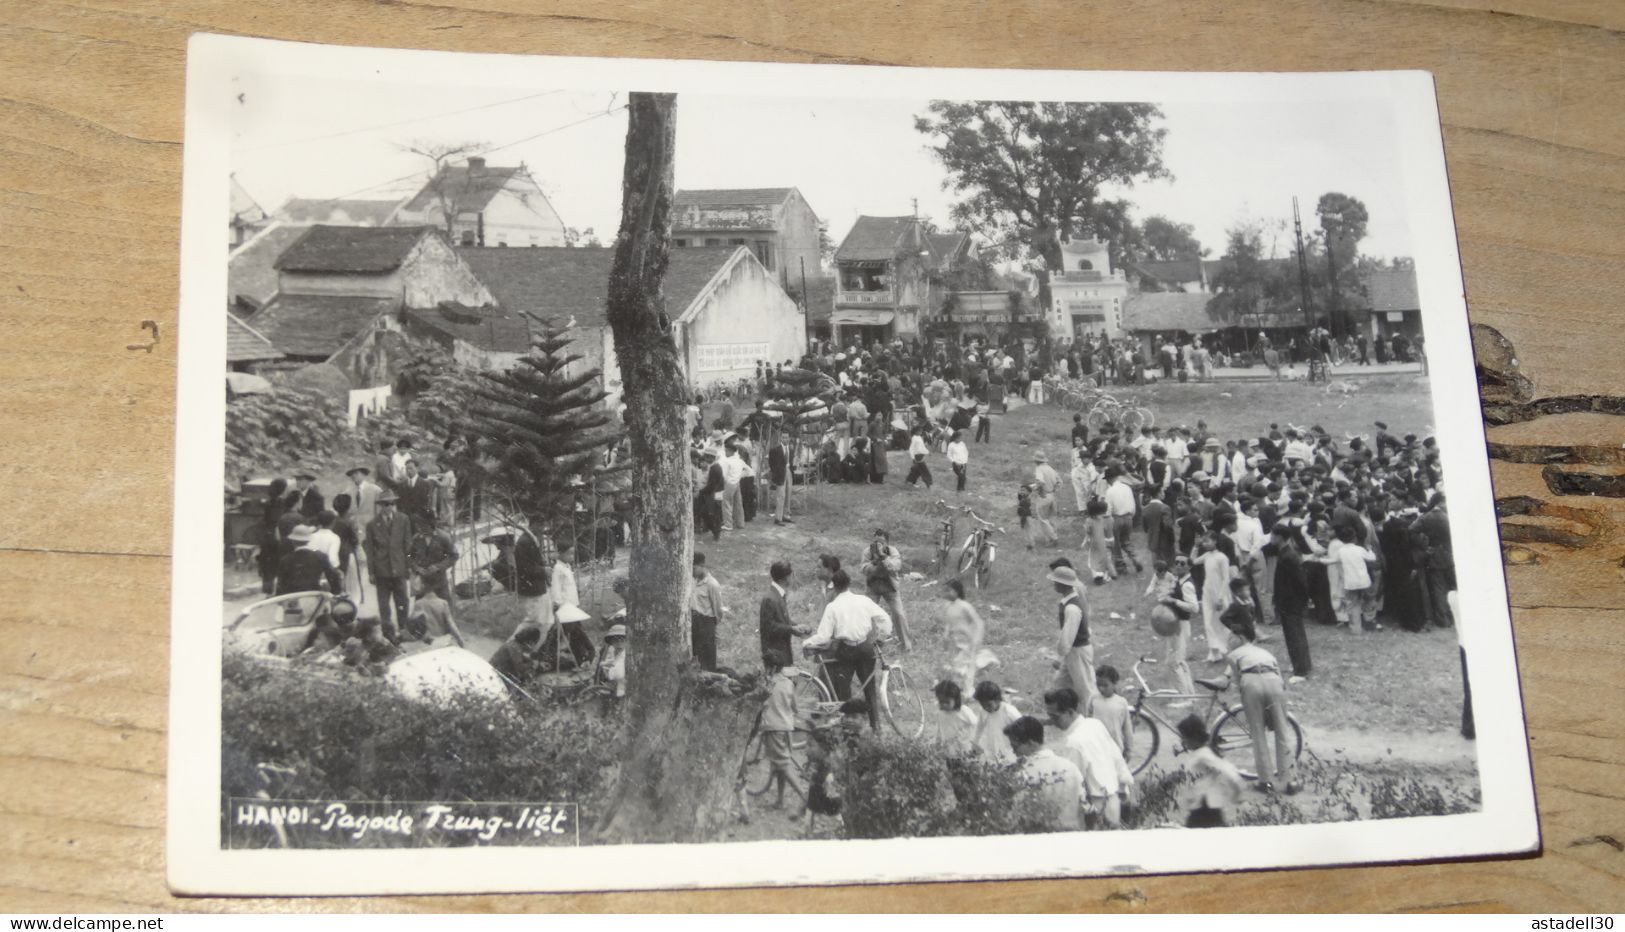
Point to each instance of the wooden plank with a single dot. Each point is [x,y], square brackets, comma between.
[89,200]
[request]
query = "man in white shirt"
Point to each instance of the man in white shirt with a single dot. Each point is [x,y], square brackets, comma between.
[847,632]
[917,452]
[1056,781]
[733,504]
[958,459]
[1086,743]
[1121,508]
[1178,452]
[1045,481]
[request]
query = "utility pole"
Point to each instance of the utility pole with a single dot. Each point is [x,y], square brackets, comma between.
[806,313]
[1303,266]
[1331,276]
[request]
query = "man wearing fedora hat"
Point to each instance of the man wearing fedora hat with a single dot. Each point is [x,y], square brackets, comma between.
[1076,667]
[389,562]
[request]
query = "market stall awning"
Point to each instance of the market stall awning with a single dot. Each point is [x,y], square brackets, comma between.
[862,316]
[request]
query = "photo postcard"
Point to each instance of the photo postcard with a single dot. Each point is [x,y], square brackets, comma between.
[660,474]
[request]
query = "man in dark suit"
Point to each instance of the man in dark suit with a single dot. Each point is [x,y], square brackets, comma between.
[389,563]
[416,495]
[776,626]
[1431,536]
[778,475]
[710,502]
[311,502]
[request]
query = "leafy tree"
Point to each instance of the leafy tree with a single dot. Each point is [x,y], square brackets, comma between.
[826,245]
[1167,241]
[1033,173]
[543,430]
[574,236]
[1249,283]
[1343,222]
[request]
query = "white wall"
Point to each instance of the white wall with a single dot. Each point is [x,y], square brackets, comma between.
[746,315]
[522,216]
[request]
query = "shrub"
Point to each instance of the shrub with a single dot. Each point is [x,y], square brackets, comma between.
[283,426]
[357,738]
[895,787]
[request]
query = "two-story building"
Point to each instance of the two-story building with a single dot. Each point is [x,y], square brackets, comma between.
[883,272]
[1086,296]
[490,206]
[359,298]
[777,225]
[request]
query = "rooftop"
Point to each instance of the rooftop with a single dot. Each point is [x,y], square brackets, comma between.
[1173,272]
[1168,310]
[245,344]
[1391,289]
[470,187]
[251,269]
[732,197]
[486,329]
[560,282]
[341,212]
[317,325]
[351,249]
[879,238]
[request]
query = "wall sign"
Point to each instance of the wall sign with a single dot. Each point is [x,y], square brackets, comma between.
[713,357]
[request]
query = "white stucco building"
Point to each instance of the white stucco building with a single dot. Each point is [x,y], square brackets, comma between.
[727,310]
[1087,295]
[492,206]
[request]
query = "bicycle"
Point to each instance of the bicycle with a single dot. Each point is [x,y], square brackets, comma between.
[899,701]
[979,551]
[945,537]
[817,700]
[1231,738]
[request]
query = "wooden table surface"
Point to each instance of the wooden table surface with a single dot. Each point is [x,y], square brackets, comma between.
[90,128]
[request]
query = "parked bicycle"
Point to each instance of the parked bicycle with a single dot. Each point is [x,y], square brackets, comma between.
[977,555]
[1232,739]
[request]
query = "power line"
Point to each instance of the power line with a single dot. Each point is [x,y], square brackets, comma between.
[368,129]
[483,151]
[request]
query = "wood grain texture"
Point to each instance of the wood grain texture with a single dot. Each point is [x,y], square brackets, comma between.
[90,146]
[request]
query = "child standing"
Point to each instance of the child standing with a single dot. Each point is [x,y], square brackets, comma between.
[955,725]
[779,719]
[1111,709]
[1024,512]
[1096,544]
[1217,781]
[1358,593]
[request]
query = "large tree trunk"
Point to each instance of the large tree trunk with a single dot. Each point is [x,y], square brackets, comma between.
[673,783]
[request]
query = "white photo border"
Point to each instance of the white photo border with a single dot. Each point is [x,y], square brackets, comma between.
[1506,824]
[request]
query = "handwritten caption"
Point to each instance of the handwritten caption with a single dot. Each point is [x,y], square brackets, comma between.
[258,823]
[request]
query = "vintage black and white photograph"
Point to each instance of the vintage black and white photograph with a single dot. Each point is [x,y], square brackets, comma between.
[842,474]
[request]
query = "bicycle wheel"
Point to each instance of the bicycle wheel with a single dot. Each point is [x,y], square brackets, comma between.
[1146,738]
[903,707]
[758,769]
[967,556]
[1234,742]
[1097,417]
[1148,417]
[984,567]
[1130,420]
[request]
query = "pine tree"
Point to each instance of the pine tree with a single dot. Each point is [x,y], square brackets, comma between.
[543,432]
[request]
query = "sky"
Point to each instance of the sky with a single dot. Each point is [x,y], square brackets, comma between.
[321,138]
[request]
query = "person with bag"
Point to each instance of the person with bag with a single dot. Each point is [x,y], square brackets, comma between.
[880,566]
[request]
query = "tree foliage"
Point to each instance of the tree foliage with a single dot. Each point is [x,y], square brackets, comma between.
[284,426]
[1167,241]
[541,425]
[1031,173]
